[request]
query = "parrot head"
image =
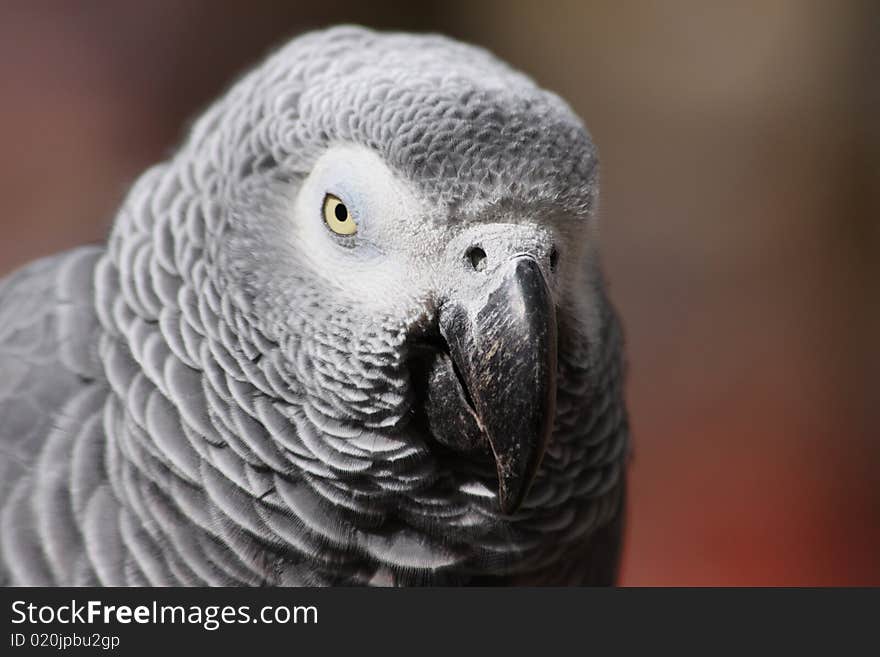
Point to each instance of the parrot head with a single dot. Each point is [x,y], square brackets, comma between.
[408,225]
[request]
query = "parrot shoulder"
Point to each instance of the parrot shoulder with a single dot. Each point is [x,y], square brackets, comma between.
[48,352]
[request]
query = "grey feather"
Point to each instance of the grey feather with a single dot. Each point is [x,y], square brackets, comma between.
[205,402]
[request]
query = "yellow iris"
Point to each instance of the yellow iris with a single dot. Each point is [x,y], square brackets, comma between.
[337,216]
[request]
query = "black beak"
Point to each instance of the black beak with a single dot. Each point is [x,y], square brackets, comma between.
[504,348]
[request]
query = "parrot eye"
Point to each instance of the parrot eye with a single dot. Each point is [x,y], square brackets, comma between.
[337,216]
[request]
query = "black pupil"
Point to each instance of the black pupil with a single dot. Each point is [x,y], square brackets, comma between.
[341,212]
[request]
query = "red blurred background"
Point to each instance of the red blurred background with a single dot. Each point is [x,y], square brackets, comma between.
[740,218]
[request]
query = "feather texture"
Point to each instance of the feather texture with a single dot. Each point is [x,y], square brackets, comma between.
[159,424]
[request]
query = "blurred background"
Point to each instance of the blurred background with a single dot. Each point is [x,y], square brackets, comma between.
[740,216]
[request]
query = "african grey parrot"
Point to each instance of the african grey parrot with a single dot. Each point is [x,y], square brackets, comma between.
[354,331]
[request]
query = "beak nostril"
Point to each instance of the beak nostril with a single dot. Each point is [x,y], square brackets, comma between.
[554,258]
[477,257]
